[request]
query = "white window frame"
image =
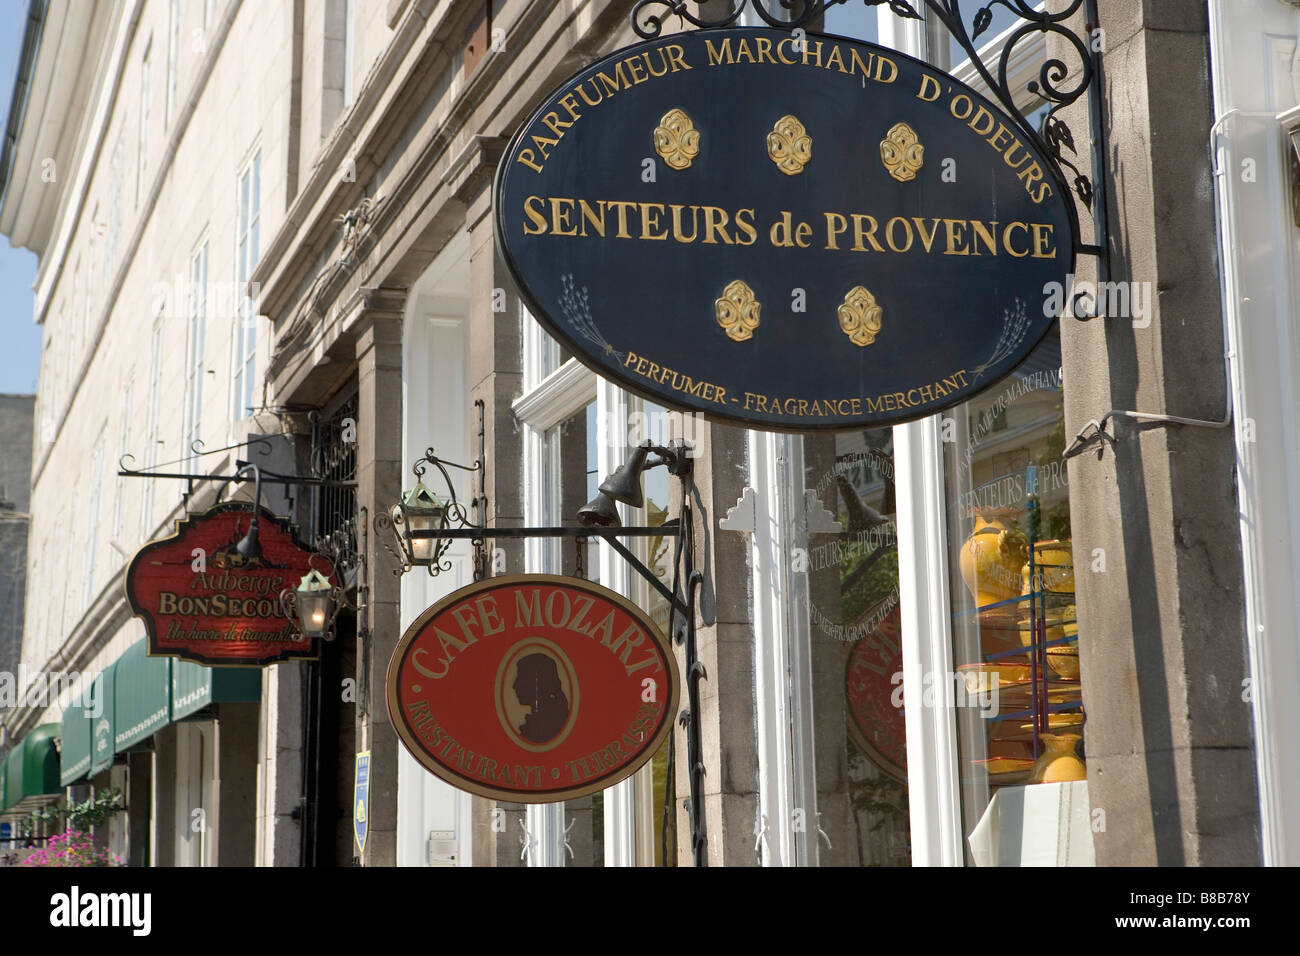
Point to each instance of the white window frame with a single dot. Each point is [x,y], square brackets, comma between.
[92,521]
[1257,114]
[116,174]
[547,401]
[123,449]
[173,54]
[436,411]
[349,51]
[92,250]
[151,429]
[196,341]
[62,348]
[248,192]
[46,388]
[75,324]
[142,133]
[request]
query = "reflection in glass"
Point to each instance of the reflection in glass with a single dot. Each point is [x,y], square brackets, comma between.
[854,613]
[1016,688]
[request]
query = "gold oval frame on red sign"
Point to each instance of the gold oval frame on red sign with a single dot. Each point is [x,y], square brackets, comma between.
[601,782]
[575,692]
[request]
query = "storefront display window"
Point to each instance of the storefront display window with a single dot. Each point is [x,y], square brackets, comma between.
[1016,688]
[854,613]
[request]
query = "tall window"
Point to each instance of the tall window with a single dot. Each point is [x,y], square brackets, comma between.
[75,325]
[56,616]
[92,522]
[250,192]
[173,51]
[142,141]
[60,334]
[116,173]
[123,449]
[349,50]
[151,430]
[198,314]
[92,252]
[46,387]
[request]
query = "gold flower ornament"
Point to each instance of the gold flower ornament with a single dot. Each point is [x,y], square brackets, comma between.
[901,152]
[789,145]
[860,316]
[677,140]
[737,311]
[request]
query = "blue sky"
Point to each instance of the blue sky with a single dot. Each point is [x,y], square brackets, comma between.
[20,339]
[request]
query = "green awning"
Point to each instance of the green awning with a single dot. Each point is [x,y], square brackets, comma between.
[101,727]
[194,686]
[32,771]
[142,699]
[74,759]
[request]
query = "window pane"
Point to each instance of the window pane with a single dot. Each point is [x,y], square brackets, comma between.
[568,461]
[1016,689]
[660,426]
[857,662]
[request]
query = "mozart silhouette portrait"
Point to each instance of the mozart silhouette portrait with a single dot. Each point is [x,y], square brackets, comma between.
[537,686]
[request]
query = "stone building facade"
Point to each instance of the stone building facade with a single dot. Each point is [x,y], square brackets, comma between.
[16,426]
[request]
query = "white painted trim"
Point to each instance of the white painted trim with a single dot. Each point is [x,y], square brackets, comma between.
[774,836]
[798,627]
[1261,285]
[620,800]
[560,395]
[933,799]
[934,802]
[544,406]
[1026,60]
[435,412]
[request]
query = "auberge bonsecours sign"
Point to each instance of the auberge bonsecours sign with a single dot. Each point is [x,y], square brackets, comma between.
[789,233]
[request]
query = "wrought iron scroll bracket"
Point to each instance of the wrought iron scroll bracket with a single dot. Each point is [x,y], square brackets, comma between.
[1059,83]
[681,597]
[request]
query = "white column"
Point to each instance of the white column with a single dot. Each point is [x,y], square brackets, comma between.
[782,672]
[611,451]
[933,800]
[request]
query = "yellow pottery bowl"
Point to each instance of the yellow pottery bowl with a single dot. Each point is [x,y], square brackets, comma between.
[1054,564]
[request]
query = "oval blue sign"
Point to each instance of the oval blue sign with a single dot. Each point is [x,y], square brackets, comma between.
[788,234]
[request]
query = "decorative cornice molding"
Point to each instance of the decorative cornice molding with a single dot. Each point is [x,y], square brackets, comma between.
[474,166]
[565,391]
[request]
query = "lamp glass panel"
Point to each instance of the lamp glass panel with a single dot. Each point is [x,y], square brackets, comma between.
[313,612]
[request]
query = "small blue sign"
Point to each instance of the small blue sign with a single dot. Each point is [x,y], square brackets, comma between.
[361,800]
[6,832]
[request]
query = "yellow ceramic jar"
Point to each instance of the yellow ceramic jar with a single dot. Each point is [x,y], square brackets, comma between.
[992,557]
[1054,565]
[1060,762]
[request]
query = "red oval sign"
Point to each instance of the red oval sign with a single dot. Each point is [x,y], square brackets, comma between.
[533,688]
